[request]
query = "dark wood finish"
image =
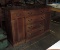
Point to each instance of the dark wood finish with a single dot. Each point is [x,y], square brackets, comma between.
[26,24]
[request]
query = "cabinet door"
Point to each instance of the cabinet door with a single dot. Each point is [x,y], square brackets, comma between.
[21,29]
[18,30]
[14,32]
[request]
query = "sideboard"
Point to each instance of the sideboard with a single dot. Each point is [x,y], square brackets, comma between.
[23,25]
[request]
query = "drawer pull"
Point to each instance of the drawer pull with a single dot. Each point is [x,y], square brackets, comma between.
[31,19]
[31,13]
[42,11]
[28,13]
[41,17]
[29,27]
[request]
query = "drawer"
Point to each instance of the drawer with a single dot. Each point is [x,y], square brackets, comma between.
[32,12]
[35,32]
[29,13]
[36,23]
[34,19]
[30,28]
[35,26]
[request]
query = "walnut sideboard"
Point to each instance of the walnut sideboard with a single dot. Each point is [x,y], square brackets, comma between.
[23,25]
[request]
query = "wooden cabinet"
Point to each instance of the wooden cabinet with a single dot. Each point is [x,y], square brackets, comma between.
[25,24]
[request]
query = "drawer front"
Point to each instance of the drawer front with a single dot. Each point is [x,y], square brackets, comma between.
[34,19]
[33,33]
[31,28]
[37,32]
[33,12]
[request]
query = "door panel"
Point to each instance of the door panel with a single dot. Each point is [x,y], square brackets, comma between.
[14,31]
[20,28]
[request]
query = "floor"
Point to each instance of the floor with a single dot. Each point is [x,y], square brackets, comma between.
[41,43]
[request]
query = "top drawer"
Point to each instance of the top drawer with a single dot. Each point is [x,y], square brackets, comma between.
[34,19]
[33,12]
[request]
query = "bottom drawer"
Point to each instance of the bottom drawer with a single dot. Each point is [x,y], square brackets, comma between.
[34,33]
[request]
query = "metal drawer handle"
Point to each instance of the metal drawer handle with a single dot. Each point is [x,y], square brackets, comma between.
[30,13]
[31,19]
[29,27]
